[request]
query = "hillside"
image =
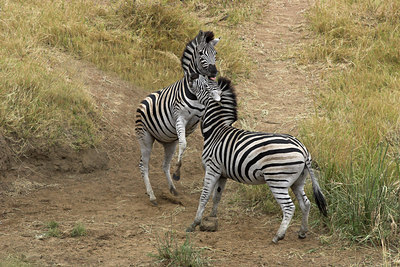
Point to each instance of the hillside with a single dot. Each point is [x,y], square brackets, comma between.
[102,188]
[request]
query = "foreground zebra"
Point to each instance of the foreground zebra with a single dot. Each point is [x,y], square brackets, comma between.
[169,115]
[278,160]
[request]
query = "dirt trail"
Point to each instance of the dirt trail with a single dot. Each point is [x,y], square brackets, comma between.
[123,227]
[278,95]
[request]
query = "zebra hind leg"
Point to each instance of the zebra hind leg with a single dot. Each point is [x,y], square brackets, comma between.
[169,150]
[219,188]
[146,144]
[281,194]
[304,203]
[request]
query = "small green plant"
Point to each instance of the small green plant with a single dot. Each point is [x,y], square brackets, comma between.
[171,254]
[78,230]
[52,229]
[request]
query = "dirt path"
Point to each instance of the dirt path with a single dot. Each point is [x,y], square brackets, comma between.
[123,227]
[279,92]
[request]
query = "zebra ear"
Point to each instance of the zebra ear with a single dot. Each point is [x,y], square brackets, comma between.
[199,36]
[215,41]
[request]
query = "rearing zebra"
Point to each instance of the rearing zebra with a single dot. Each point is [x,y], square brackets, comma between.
[278,160]
[169,115]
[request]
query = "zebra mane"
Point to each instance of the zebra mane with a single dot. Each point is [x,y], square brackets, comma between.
[187,59]
[209,36]
[228,98]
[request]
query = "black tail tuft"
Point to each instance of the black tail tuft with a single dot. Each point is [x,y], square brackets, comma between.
[321,202]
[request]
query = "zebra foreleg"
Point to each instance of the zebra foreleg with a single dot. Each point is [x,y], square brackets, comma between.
[169,149]
[219,188]
[209,183]
[146,144]
[304,203]
[181,131]
[281,195]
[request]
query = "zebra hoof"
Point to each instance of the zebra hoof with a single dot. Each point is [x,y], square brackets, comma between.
[173,191]
[154,202]
[209,224]
[190,229]
[302,235]
[277,238]
[176,177]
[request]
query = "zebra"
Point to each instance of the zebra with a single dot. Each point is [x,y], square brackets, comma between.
[170,115]
[279,160]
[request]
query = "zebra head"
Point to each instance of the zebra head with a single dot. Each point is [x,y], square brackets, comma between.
[205,89]
[199,55]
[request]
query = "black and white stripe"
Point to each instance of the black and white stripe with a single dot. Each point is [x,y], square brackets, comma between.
[172,113]
[279,160]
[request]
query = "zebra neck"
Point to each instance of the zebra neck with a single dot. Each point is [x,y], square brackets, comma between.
[189,64]
[188,69]
[188,93]
[218,115]
[214,119]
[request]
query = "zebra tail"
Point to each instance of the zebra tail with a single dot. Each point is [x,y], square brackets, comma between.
[318,195]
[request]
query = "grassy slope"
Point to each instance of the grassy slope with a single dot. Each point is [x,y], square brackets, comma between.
[354,134]
[142,41]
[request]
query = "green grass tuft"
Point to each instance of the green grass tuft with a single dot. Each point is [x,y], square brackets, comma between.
[52,229]
[172,254]
[78,230]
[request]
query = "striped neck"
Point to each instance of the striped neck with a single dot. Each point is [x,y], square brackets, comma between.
[188,90]
[189,58]
[223,113]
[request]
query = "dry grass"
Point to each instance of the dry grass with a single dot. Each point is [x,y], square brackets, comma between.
[141,41]
[355,131]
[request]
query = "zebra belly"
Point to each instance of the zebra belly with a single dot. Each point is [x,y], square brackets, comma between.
[192,125]
[164,138]
[171,135]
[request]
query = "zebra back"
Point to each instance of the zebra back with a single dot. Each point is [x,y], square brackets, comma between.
[242,155]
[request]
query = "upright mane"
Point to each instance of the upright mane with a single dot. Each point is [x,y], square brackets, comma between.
[209,36]
[228,99]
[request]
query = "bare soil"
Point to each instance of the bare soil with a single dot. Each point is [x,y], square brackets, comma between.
[103,188]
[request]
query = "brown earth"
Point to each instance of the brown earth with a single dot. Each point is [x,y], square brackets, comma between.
[103,188]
